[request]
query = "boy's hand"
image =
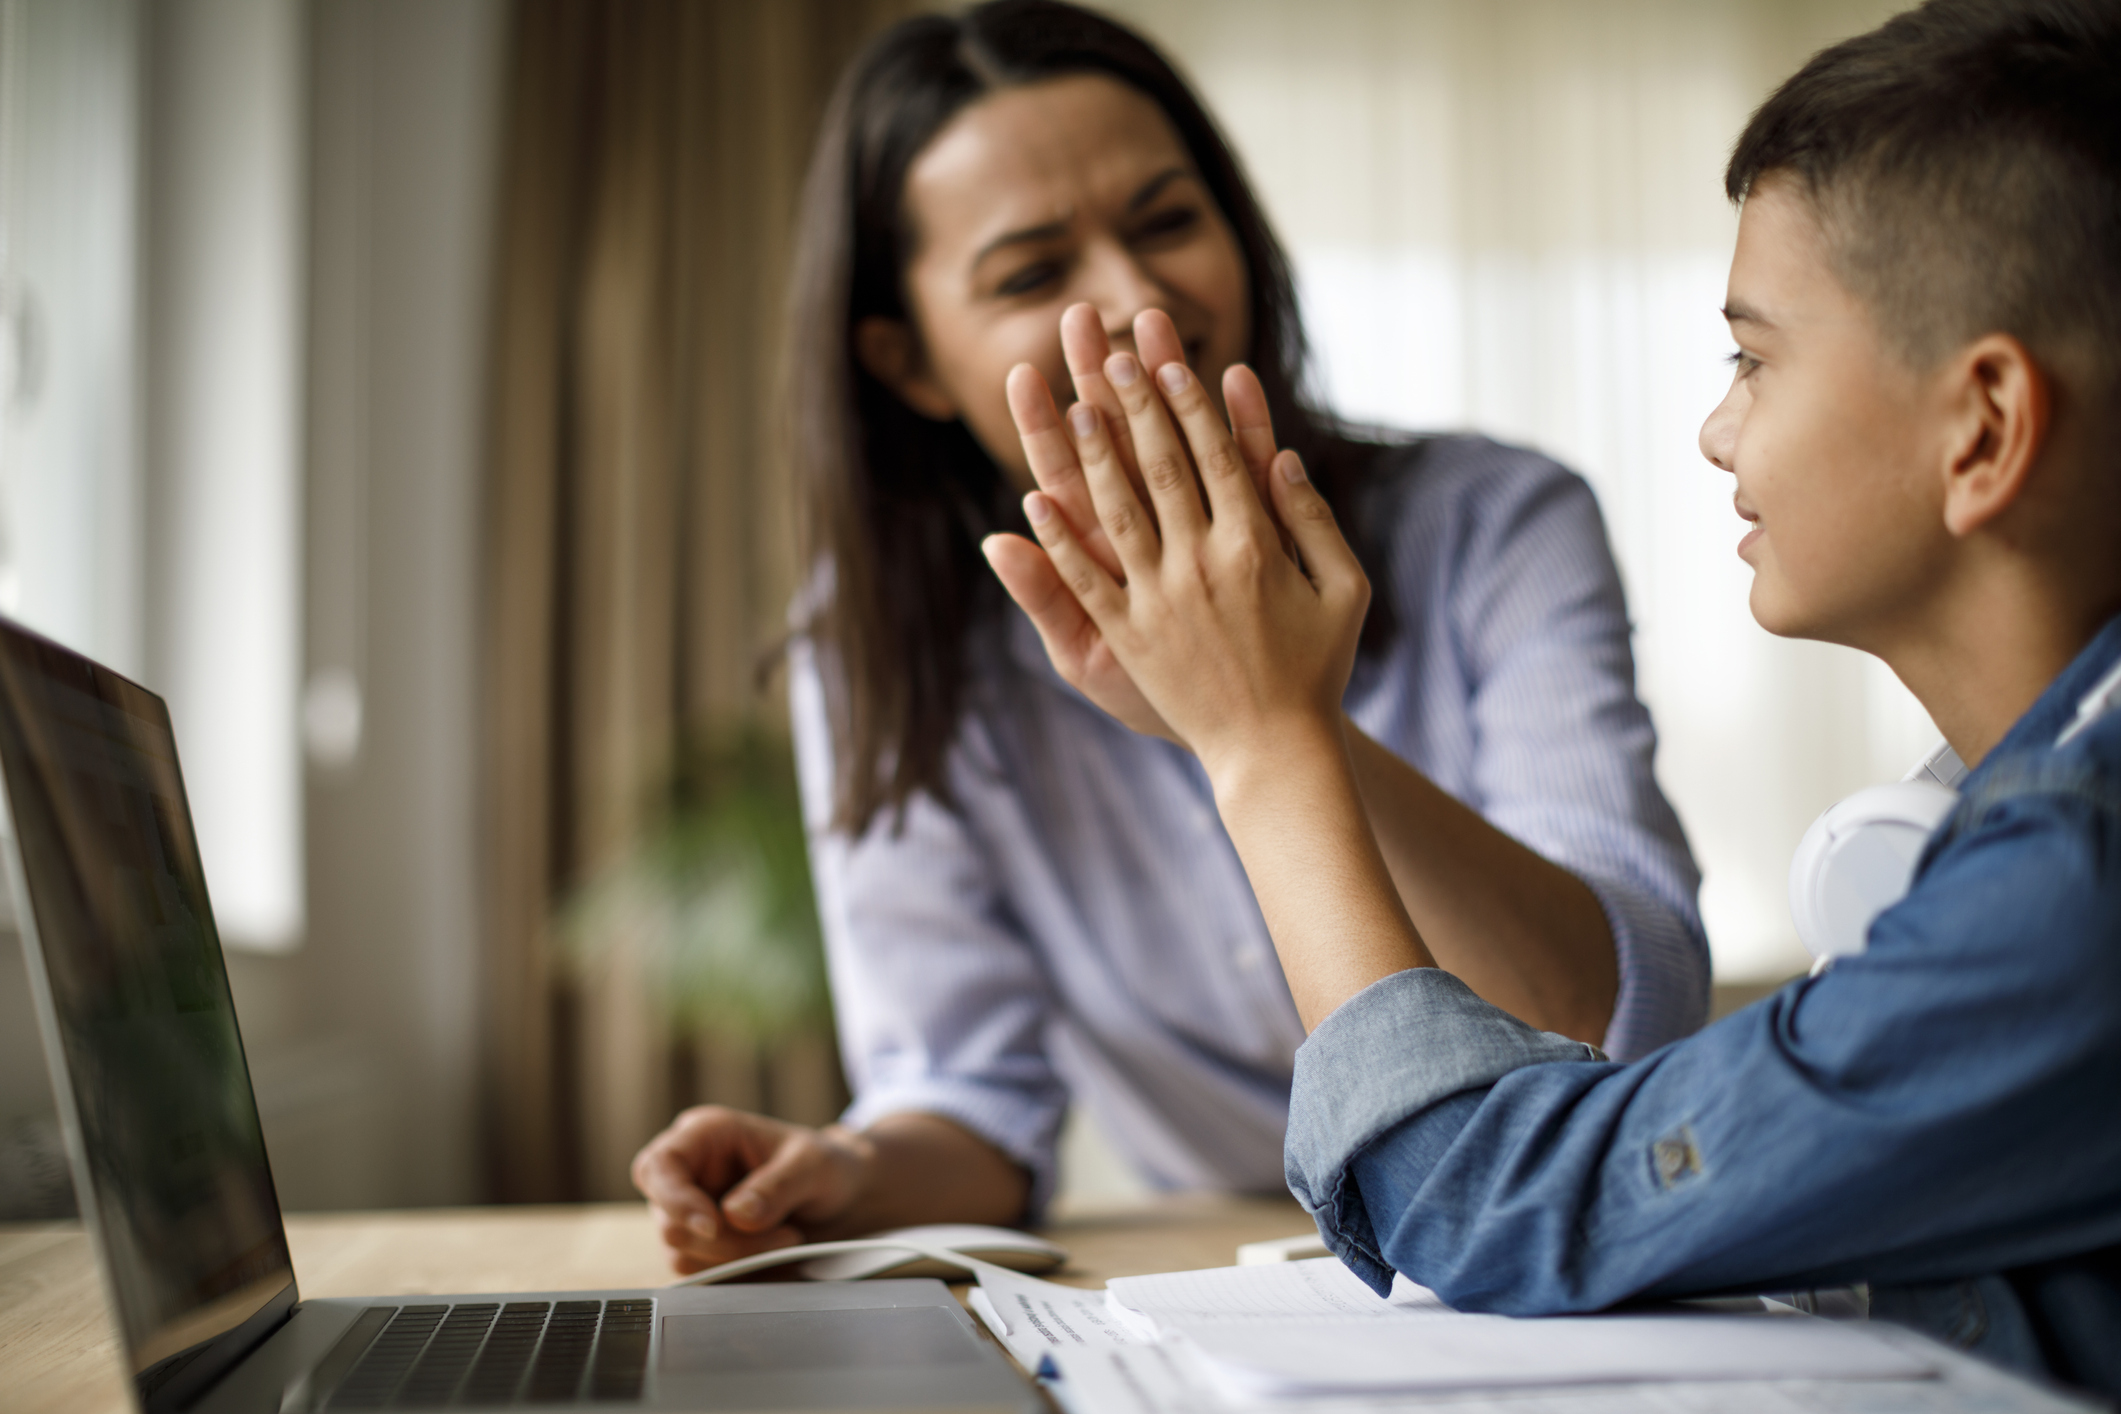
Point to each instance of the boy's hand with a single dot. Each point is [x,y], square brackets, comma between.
[1225,636]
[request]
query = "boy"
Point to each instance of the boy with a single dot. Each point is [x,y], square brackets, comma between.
[1926,297]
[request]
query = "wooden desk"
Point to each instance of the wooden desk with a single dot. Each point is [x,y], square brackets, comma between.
[58,1354]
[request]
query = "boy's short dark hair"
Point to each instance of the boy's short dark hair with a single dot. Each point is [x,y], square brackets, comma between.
[1965,163]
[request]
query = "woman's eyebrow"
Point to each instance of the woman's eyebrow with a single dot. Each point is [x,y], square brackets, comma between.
[1154,187]
[1023,236]
[1028,235]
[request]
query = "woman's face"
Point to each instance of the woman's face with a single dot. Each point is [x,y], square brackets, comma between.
[1030,200]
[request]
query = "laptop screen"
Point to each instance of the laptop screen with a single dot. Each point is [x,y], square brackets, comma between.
[148,1063]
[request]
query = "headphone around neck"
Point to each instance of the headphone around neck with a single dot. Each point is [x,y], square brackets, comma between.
[1858,858]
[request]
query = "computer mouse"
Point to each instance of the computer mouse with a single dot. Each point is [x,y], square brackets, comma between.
[1004,1247]
[900,1252]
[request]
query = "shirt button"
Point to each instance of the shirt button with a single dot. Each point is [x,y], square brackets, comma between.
[1203,819]
[1250,956]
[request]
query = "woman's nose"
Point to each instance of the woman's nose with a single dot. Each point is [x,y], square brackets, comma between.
[1120,287]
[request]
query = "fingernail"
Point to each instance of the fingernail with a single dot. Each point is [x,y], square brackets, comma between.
[1292,469]
[745,1207]
[1083,419]
[1173,377]
[1038,508]
[1122,369]
[702,1224]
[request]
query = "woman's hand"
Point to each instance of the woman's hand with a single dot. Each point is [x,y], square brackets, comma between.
[1523,932]
[1226,637]
[722,1184]
[1244,651]
[1071,638]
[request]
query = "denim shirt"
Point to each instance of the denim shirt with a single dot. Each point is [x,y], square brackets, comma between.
[1939,1116]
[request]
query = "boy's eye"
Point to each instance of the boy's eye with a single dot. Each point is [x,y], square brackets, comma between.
[1030,278]
[1744,362]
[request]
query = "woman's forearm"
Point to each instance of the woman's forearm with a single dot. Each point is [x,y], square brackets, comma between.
[1524,933]
[922,1168]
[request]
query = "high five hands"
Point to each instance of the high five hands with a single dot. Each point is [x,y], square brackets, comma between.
[1183,619]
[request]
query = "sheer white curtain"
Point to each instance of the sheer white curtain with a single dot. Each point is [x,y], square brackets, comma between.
[150,372]
[1507,215]
[70,504]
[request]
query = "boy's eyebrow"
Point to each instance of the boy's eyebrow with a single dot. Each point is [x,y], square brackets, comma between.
[1739,312]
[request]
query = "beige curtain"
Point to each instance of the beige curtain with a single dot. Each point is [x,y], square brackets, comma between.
[639,552]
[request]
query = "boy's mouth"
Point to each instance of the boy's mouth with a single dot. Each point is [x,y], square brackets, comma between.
[1752,518]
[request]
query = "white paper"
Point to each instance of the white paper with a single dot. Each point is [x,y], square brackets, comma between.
[1158,1379]
[1034,1318]
[1316,1288]
[1312,1327]
[1495,1352]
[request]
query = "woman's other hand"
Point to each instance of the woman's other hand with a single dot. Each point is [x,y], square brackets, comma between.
[722,1184]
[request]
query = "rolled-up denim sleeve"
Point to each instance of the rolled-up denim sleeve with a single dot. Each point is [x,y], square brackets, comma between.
[1406,1048]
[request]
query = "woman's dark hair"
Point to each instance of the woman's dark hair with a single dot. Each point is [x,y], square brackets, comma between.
[893,505]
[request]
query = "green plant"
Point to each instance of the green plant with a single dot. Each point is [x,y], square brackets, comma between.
[713,902]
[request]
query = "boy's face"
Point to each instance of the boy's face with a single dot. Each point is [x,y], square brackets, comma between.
[1831,437]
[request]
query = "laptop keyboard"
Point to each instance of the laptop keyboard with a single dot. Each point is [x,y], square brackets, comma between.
[490,1353]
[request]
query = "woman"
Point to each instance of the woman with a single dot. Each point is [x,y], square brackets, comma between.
[1025,903]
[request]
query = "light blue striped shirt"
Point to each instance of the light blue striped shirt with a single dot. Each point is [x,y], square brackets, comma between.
[1079,926]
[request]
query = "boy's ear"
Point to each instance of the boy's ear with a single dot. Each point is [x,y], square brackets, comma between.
[1998,403]
[892,352]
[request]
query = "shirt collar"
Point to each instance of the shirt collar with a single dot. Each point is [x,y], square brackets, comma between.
[2056,708]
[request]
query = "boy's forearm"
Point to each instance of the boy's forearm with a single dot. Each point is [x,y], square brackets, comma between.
[1521,931]
[1295,814]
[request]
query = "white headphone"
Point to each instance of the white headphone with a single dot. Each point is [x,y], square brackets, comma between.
[1859,856]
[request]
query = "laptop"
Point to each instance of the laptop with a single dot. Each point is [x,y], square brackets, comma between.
[170,1167]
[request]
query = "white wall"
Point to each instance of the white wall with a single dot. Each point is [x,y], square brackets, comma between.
[1507,215]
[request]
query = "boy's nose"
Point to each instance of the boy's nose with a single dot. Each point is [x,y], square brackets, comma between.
[1719,434]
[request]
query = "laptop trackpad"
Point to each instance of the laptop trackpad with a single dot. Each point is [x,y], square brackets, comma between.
[761,1342]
